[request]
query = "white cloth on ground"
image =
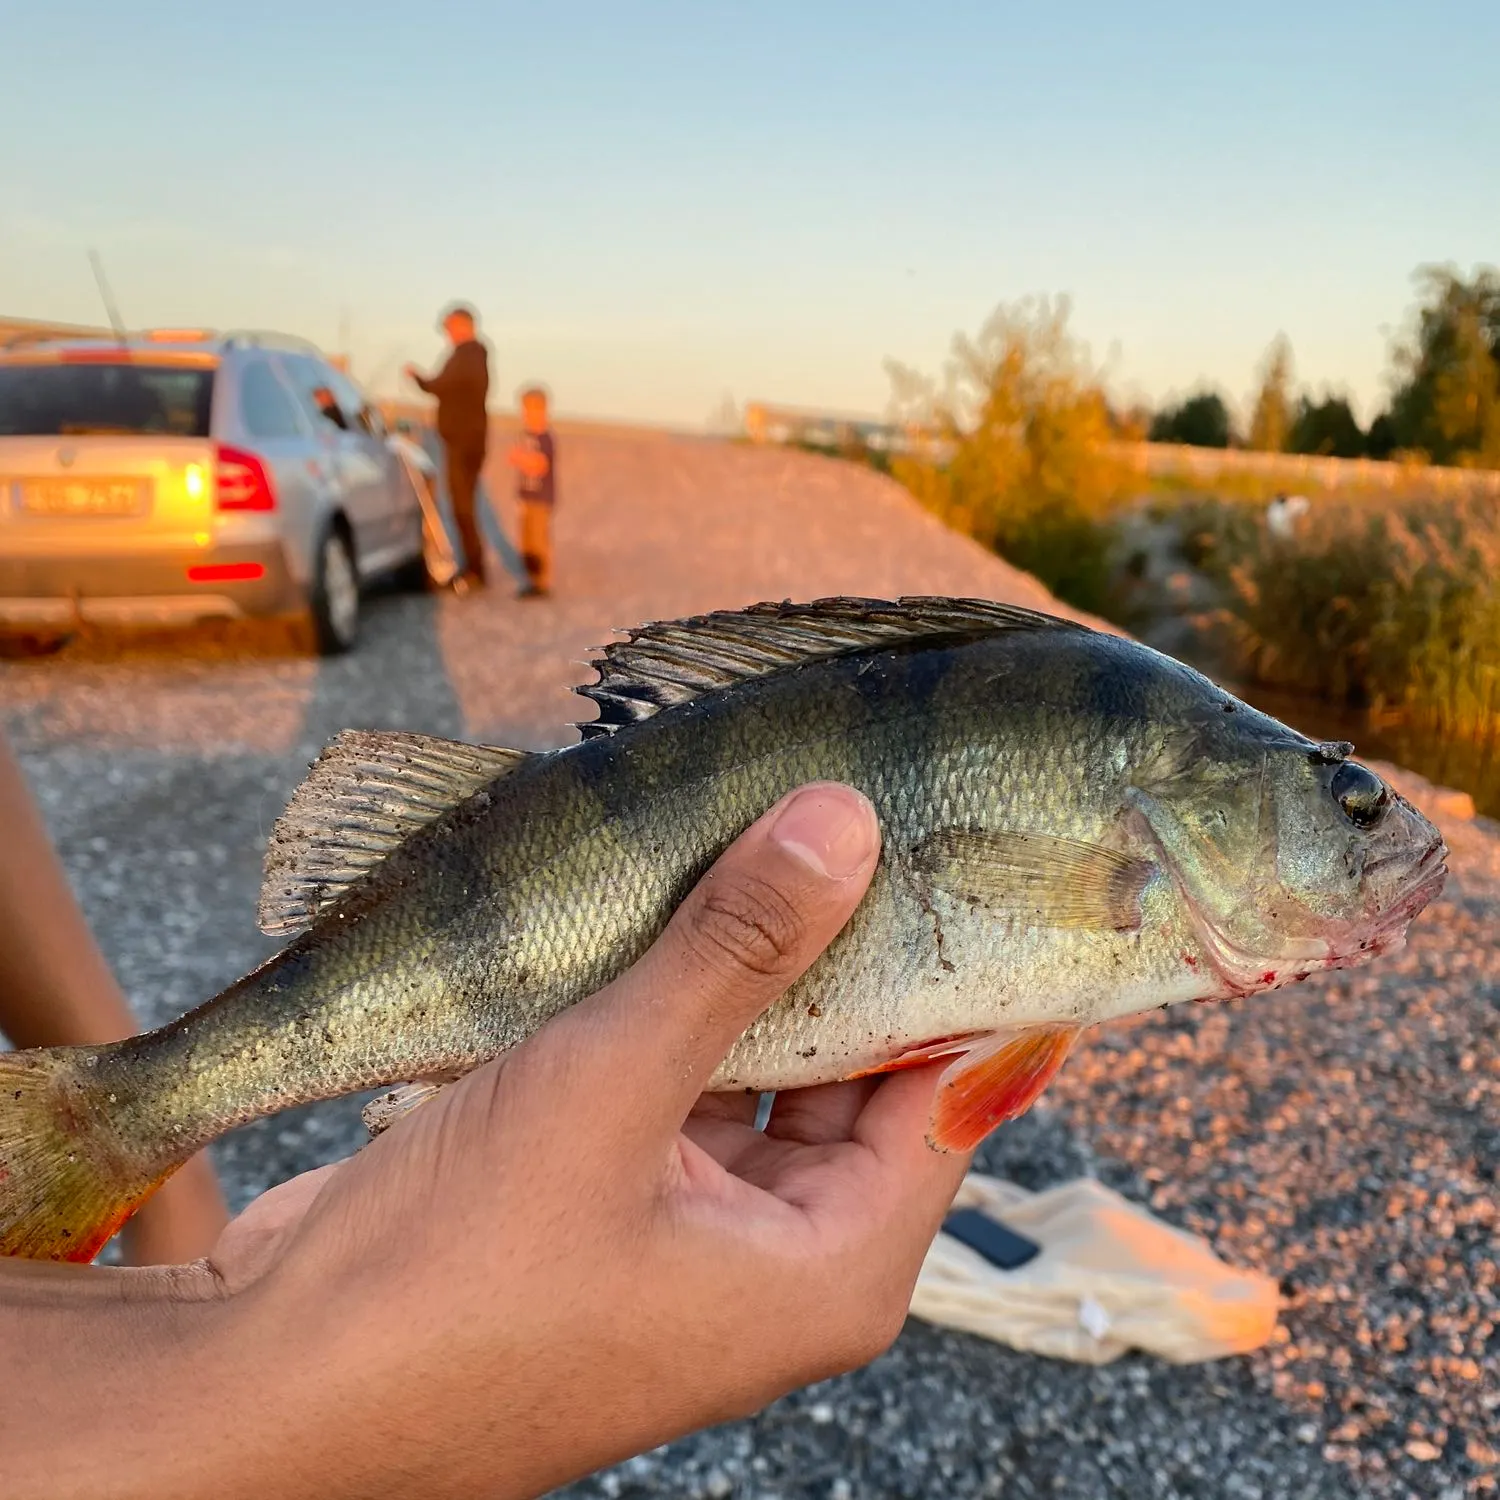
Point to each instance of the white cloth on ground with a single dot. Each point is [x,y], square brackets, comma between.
[1110,1277]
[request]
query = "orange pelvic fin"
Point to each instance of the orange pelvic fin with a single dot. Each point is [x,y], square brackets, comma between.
[996,1079]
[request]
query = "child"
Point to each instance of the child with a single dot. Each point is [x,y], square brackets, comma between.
[534,457]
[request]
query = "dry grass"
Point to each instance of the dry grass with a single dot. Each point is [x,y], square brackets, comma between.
[1392,605]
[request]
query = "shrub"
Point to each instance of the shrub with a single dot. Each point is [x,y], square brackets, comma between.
[1390,606]
[1018,451]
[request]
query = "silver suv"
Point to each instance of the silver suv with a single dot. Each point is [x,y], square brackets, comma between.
[175,476]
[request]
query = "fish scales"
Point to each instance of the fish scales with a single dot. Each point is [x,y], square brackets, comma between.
[500,916]
[1074,828]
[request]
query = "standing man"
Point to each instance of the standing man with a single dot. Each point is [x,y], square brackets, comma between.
[534,457]
[462,387]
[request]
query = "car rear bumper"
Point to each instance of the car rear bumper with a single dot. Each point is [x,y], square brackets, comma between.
[225,582]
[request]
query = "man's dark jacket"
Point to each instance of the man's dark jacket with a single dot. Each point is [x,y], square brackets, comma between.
[461,387]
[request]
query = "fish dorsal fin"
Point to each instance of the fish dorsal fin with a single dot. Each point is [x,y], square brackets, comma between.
[365,794]
[674,661]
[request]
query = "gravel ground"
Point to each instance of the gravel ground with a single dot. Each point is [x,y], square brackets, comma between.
[1343,1136]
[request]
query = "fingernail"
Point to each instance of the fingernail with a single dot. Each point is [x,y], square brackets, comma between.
[829,828]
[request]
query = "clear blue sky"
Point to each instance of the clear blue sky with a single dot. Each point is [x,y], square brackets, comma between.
[655,204]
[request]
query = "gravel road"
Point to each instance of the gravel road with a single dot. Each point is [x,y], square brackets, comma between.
[1343,1135]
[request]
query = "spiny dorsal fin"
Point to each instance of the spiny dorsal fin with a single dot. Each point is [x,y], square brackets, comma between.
[366,793]
[673,661]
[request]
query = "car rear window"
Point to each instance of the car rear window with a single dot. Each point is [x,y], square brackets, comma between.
[62,400]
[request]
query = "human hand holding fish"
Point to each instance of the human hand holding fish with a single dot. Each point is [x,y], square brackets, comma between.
[566,1257]
[558,1258]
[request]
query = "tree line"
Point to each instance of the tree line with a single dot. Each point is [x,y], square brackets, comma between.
[1445,390]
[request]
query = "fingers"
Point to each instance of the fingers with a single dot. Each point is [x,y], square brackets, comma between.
[776,898]
[884,1219]
[737,1109]
[893,1127]
[894,1124]
[820,1116]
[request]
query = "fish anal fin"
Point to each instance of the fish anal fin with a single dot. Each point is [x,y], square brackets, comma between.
[996,1080]
[1039,878]
[395,1104]
[366,794]
[674,661]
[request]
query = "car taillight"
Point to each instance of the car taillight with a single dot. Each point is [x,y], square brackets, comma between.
[240,572]
[243,483]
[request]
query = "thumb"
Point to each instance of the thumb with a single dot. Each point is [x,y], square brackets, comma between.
[755,923]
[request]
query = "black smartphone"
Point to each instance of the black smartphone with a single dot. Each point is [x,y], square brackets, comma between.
[1000,1246]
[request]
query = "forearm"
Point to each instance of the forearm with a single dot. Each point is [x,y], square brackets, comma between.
[114,1387]
[55,986]
[447,380]
[141,1393]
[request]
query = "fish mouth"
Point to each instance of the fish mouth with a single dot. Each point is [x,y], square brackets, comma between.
[1244,972]
[1429,876]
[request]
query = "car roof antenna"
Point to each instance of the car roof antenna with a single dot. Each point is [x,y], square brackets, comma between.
[109,301]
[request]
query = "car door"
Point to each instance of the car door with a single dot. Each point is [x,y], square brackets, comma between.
[284,436]
[359,477]
[378,466]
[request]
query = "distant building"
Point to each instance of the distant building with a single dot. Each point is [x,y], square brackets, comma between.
[789,424]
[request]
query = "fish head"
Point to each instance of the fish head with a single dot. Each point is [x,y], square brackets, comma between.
[1289,856]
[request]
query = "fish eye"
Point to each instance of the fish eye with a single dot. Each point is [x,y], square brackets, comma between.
[1361,794]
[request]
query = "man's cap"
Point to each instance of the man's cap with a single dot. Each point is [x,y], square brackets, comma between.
[458,310]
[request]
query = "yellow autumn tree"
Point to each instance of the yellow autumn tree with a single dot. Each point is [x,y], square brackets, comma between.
[1271,422]
[1015,445]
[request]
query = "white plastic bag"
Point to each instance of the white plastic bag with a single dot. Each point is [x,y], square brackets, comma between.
[1110,1277]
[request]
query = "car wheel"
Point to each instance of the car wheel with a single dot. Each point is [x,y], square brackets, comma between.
[335,596]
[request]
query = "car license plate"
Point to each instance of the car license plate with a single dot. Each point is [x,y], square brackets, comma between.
[81,497]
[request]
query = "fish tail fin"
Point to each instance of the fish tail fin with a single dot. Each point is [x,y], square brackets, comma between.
[67,1182]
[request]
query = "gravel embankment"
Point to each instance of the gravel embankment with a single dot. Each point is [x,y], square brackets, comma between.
[1343,1135]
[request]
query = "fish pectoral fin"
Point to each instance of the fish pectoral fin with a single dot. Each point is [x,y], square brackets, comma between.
[366,794]
[1043,880]
[383,1111]
[997,1079]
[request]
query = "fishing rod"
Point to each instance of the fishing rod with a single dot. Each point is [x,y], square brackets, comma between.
[107,296]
